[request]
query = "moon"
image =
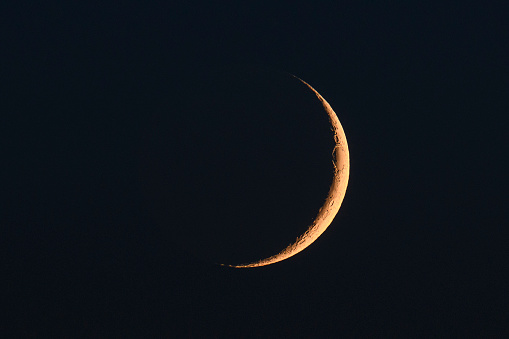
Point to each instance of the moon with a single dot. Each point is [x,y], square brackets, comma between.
[341,167]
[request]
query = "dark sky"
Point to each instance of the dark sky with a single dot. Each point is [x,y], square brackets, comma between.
[143,142]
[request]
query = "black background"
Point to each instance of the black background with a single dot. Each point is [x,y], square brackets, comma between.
[137,151]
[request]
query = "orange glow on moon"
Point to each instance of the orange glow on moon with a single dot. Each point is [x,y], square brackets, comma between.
[341,164]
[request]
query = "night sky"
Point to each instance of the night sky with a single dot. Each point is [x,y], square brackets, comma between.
[142,143]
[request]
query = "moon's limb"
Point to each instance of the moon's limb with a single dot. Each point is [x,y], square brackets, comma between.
[341,162]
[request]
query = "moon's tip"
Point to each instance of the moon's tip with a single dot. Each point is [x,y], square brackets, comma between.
[296,77]
[238,266]
[227,265]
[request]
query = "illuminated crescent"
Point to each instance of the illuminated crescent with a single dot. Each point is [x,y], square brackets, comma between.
[341,164]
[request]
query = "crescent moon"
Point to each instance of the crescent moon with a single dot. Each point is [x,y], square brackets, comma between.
[341,166]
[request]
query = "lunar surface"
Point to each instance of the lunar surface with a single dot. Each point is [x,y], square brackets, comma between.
[341,167]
